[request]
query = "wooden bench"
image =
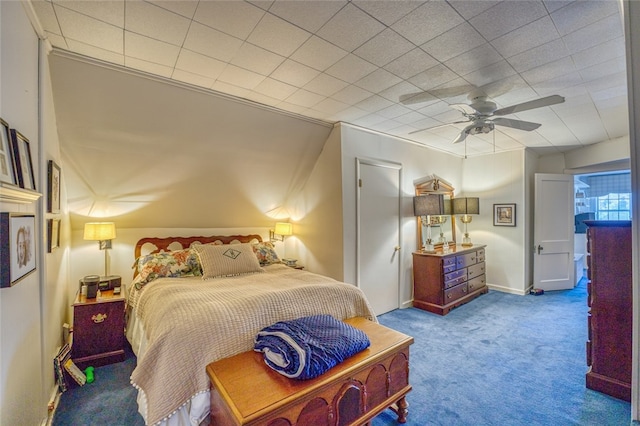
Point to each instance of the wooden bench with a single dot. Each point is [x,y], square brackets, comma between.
[244,391]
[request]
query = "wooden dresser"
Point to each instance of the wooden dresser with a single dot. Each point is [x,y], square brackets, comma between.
[244,391]
[609,299]
[443,281]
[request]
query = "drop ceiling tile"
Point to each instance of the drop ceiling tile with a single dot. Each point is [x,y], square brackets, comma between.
[378,80]
[603,52]
[374,103]
[470,8]
[384,48]
[454,42]
[186,8]
[527,37]
[480,57]
[95,52]
[59,41]
[592,35]
[275,89]
[149,67]
[351,95]
[191,78]
[305,98]
[294,73]
[154,22]
[196,63]
[277,35]
[435,108]
[318,54]
[230,89]
[310,15]
[210,42]
[47,16]
[394,111]
[411,64]
[506,16]
[150,50]
[580,14]
[387,12]
[256,59]
[330,106]
[434,76]
[111,12]
[550,71]
[90,31]
[538,56]
[553,5]
[262,99]
[617,66]
[410,118]
[395,92]
[370,120]
[350,28]
[351,68]
[490,74]
[351,115]
[231,17]
[427,22]
[325,85]
[296,109]
[240,77]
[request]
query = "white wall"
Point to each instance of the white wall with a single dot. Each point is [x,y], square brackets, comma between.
[22,390]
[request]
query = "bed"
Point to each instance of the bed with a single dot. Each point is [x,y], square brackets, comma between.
[187,308]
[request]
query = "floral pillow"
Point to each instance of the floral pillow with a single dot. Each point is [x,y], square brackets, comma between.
[177,263]
[266,253]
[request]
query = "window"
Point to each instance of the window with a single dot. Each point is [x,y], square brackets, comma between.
[614,206]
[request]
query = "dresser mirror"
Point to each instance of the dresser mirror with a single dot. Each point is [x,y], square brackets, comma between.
[443,228]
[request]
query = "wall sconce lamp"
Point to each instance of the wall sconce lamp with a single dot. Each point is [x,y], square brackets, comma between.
[466,206]
[282,229]
[426,206]
[103,232]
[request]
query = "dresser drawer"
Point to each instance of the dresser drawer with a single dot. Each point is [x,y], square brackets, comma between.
[455,278]
[98,328]
[477,282]
[449,262]
[480,255]
[465,260]
[455,293]
[475,270]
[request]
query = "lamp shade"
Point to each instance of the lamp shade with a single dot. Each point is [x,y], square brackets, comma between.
[466,205]
[427,205]
[99,231]
[283,228]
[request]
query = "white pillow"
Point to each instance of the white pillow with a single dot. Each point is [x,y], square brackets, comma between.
[227,260]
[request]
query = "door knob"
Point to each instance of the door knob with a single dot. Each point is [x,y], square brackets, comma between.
[539,248]
[397,248]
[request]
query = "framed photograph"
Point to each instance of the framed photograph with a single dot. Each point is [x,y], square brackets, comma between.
[504,215]
[17,247]
[22,157]
[53,187]
[53,234]
[7,170]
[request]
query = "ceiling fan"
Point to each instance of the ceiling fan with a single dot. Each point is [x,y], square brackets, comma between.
[480,112]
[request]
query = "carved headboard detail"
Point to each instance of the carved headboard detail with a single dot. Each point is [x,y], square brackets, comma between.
[152,245]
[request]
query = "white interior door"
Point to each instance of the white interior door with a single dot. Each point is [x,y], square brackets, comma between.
[553,267]
[379,234]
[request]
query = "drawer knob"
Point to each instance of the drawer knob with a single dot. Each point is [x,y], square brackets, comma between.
[98,318]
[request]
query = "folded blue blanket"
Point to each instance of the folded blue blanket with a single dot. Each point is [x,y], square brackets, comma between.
[307,347]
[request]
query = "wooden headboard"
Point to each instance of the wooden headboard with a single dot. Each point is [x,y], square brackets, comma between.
[157,245]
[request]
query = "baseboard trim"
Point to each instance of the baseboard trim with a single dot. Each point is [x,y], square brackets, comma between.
[508,289]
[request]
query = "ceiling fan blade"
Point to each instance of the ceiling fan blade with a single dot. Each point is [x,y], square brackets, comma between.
[536,103]
[416,98]
[516,124]
[438,127]
[464,109]
[464,132]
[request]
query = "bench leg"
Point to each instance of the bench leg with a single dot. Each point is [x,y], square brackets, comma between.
[401,409]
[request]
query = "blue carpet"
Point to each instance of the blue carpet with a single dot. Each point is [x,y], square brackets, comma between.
[500,360]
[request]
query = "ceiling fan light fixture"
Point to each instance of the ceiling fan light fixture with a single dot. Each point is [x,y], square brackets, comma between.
[481,128]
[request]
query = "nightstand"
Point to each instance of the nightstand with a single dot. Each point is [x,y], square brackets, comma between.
[98,330]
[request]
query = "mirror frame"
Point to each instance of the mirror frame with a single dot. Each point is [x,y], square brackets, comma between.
[433,184]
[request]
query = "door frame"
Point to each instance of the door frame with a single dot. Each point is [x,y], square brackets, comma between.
[390,165]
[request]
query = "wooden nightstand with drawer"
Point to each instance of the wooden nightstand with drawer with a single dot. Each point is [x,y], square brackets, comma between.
[98,330]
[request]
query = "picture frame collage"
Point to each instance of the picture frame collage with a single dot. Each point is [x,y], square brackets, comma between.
[16,162]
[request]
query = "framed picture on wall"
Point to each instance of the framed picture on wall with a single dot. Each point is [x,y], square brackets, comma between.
[7,171]
[53,234]
[17,247]
[504,215]
[22,157]
[53,187]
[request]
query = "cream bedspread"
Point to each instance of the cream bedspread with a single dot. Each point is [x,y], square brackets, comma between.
[190,322]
